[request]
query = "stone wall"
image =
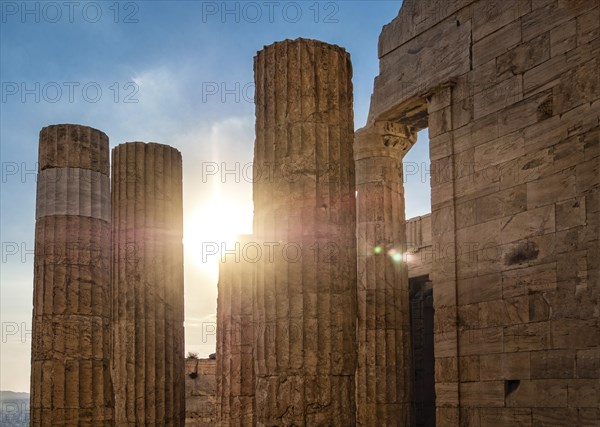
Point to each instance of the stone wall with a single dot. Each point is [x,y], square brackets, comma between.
[420,255]
[200,392]
[510,91]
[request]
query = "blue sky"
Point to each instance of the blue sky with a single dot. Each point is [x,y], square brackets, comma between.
[176,72]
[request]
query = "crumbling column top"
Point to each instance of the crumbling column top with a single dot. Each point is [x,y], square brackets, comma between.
[73,146]
[384,139]
[304,41]
[146,144]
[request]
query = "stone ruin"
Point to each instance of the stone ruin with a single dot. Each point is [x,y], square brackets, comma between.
[70,354]
[492,315]
[147,285]
[108,349]
[484,313]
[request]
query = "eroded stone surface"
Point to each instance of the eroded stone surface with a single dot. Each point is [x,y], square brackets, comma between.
[305,295]
[510,93]
[200,392]
[147,285]
[70,354]
[383,376]
[235,336]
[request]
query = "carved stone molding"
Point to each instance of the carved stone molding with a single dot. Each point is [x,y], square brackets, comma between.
[384,138]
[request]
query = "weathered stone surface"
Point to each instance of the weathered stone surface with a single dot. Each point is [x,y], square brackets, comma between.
[73,146]
[305,294]
[420,253]
[384,371]
[200,392]
[415,17]
[70,355]
[147,285]
[235,336]
[427,61]
[513,119]
[73,191]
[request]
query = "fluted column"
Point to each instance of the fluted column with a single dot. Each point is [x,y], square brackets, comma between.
[304,204]
[147,285]
[384,372]
[70,354]
[235,335]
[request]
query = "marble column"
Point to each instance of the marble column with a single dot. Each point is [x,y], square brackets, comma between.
[235,335]
[147,285]
[384,372]
[70,354]
[305,219]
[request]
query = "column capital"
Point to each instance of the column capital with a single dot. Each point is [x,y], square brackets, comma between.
[384,139]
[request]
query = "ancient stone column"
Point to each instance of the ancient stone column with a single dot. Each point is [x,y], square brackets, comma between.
[235,335]
[384,372]
[148,341]
[70,354]
[305,218]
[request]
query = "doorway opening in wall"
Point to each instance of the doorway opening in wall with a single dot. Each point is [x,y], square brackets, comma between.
[421,323]
[417,198]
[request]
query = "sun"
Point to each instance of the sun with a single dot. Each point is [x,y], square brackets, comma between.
[216,223]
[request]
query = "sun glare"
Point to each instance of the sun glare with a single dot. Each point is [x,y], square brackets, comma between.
[218,222]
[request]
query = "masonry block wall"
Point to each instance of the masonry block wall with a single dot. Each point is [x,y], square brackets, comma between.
[510,91]
[419,255]
[200,392]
